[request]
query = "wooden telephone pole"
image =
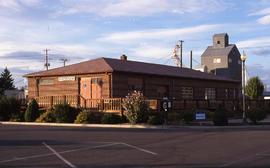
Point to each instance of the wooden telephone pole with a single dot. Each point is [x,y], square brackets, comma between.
[47,64]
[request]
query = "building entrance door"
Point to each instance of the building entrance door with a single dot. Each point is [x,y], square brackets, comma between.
[96,88]
[90,89]
[85,88]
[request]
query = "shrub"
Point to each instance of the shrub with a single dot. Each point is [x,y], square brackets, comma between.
[210,115]
[188,116]
[220,117]
[136,108]
[110,118]
[155,119]
[4,109]
[64,113]
[17,117]
[256,114]
[32,112]
[88,117]
[47,116]
[174,117]
[14,106]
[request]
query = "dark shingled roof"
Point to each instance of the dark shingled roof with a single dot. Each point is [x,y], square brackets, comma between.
[116,65]
[212,51]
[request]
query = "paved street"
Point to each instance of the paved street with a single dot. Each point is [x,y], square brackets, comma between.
[35,146]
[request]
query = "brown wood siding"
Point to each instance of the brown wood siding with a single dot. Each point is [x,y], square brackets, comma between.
[32,88]
[64,87]
[58,87]
[152,83]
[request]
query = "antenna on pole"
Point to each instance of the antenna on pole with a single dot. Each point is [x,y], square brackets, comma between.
[175,55]
[64,60]
[177,51]
[47,64]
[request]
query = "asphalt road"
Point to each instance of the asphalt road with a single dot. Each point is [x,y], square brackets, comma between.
[67,147]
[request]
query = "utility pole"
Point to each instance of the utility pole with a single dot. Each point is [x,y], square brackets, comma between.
[47,64]
[190,59]
[181,53]
[64,61]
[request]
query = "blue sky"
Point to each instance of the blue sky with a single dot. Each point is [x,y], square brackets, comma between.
[144,30]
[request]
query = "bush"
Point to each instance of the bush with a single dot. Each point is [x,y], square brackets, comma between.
[110,118]
[256,114]
[47,116]
[64,113]
[220,117]
[174,117]
[4,109]
[32,112]
[136,108]
[9,108]
[155,119]
[17,117]
[188,116]
[88,117]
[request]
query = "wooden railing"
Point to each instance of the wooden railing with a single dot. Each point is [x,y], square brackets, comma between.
[50,101]
[106,105]
[115,104]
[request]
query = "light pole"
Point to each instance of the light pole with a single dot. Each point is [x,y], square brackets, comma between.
[243,59]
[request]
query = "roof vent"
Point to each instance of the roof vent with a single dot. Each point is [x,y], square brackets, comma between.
[123,57]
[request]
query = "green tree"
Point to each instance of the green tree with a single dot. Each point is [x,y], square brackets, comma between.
[6,81]
[32,111]
[254,88]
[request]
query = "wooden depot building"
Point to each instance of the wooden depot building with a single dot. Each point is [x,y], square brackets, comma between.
[103,78]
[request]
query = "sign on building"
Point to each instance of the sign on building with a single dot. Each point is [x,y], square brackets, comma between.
[66,78]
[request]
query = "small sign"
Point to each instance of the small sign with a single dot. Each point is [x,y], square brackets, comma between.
[200,115]
[66,78]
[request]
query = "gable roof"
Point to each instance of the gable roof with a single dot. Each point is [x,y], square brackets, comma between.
[116,65]
[212,51]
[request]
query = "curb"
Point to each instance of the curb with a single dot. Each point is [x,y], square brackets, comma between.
[84,125]
[251,127]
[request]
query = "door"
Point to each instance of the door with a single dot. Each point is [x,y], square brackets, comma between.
[96,88]
[85,88]
[90,89]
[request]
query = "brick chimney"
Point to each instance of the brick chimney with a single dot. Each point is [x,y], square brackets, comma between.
[123,57]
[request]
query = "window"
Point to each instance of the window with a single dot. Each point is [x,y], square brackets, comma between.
[187,92]
[234,93]
[96,81]
[218,42]
[46,81]
[217,60]
[210,93]
[226,93]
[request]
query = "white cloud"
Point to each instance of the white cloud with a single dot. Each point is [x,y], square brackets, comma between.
[17,5]
[264,20]
[149,51]
[265,13]
[154,34]
[141,7]
[254,43]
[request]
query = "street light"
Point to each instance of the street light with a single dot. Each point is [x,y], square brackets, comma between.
[243,59]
